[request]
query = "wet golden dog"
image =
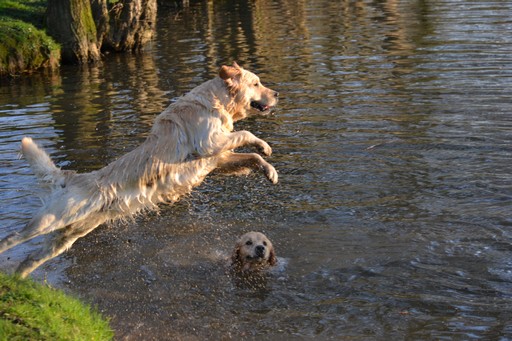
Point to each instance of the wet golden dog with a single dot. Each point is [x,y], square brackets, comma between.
[189,140]
[253,252]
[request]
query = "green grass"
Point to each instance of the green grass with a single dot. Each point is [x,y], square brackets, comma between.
[24,45]
[29,11]
[31,311]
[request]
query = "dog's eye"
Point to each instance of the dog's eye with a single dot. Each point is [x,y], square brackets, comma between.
[265,243]
[248,242]
[256,84]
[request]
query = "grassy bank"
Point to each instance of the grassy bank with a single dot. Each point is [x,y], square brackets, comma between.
[24,45]
[30,311]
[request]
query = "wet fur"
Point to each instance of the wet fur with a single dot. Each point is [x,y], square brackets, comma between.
[189,140]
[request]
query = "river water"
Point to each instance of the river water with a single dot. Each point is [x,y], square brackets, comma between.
[392,217]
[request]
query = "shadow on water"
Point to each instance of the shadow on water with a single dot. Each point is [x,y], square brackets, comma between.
[392,215]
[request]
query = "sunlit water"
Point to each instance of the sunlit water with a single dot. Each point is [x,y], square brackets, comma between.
[393,145]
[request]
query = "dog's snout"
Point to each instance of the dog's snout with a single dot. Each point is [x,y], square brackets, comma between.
[260,250]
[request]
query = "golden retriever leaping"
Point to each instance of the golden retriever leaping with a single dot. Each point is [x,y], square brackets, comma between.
[189,140]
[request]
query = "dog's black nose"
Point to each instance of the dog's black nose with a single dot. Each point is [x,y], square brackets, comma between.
[260,250]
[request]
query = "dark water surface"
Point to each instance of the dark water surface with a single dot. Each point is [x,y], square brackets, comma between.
[392,217]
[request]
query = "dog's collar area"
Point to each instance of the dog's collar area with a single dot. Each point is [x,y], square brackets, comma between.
[259,106]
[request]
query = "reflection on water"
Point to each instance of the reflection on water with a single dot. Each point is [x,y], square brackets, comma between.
[393,146]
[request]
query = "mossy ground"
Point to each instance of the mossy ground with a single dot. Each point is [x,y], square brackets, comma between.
[24,45]
[31,311]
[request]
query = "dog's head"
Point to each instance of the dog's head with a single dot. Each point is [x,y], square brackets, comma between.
[253,252]
[247,91]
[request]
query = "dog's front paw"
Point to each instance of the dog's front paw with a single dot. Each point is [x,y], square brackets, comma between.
[271,173]
[265,148]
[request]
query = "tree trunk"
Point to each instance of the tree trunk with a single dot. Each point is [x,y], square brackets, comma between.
[71,24]
[83,28]
[100,15]
[132,24]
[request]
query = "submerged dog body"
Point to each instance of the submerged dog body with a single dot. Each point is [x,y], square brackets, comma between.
[189,140]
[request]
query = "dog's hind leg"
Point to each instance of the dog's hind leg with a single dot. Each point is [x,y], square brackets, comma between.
[230,162]
[51,217]
[64,208]
[38,225]
[56,243]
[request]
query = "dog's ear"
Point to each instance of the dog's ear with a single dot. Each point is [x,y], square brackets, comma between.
[272,259]
[235,256]
[229,72]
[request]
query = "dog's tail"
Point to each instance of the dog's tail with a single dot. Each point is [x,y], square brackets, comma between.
[40,162]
